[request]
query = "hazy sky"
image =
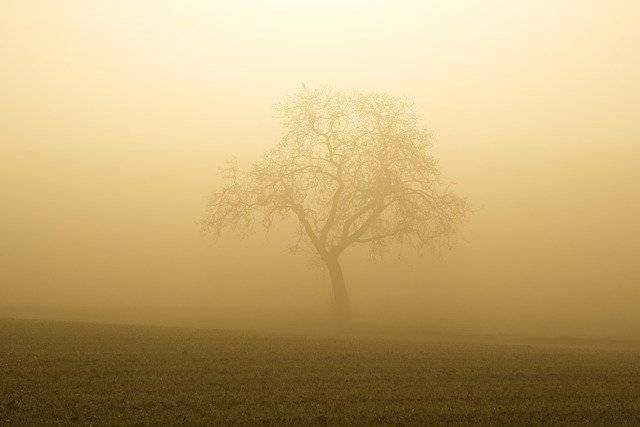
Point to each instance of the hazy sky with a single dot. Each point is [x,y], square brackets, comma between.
[115,115]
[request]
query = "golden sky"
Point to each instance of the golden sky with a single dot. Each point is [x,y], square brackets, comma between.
[115,116]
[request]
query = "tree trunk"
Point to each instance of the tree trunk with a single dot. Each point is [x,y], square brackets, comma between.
[341,305]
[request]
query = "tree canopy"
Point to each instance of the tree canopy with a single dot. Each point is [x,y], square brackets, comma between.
[353,168]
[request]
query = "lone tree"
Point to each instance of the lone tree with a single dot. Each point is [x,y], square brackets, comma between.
[352,168]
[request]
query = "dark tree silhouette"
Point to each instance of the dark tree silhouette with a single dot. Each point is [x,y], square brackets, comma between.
[352,168]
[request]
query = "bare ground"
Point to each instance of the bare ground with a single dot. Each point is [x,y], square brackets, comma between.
[88,373]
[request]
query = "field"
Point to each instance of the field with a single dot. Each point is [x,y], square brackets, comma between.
[84,373]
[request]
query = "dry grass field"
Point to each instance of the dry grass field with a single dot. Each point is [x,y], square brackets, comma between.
[83,373]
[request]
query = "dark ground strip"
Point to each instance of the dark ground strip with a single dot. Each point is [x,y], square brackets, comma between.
[58,372]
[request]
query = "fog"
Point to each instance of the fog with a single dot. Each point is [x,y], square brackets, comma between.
[116,116]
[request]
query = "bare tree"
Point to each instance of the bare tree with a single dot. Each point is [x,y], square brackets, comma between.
[352,168]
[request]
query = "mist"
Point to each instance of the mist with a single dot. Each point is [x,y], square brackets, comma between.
[116,117]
